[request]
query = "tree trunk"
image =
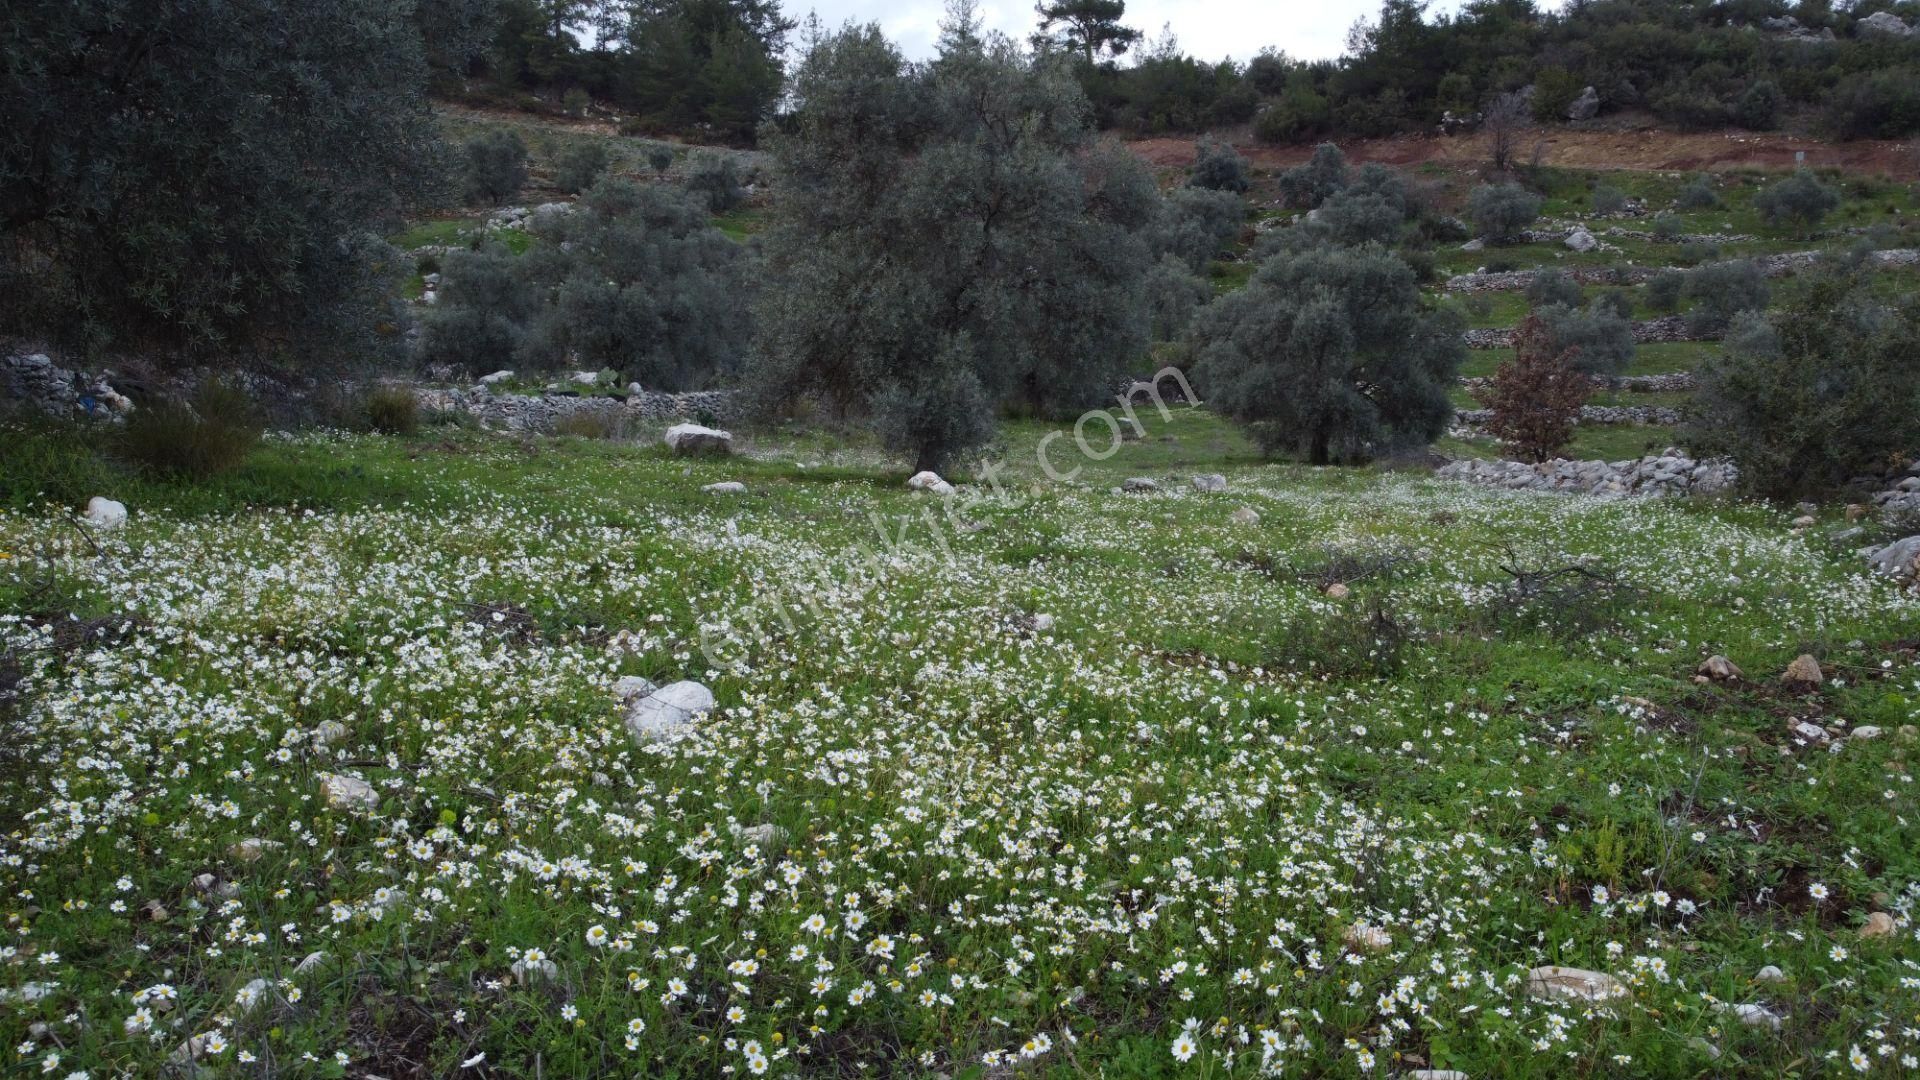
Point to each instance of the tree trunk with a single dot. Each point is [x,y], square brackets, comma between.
[1322,452]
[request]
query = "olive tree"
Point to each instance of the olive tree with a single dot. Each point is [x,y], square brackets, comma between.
[1799,202]
[495,168]
[947,239]
[1501,212]
[1219,167]
[1332,355]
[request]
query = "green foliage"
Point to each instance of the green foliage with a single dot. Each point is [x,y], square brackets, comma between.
[1174,295]
[1217,166]
[211,432]
[947,239]
[1550,286]
[718,180]
[1800,202]
[1823,391]
[1502,212]
[1332,355]
[1598,339]
[1306,186]
[1758,108]
[1665,289]
[1088,29]
[1299,114]
[393,410]
[1882,104]
[1608,199]
[661,158]
[711,65]
[1196,225]
[484,307]
[578,167]
[1720,291]
[1698,195]
[165,187]
[495,166]
[1554,92]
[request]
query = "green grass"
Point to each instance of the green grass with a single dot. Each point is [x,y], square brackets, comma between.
[1170,805]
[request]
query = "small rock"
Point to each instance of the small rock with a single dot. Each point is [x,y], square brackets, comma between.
[668,714]
[495,378]
[693,440]
[1581,240]
[1475,244]
[104,514]
[155,911]
[768,838]
[1210,484]
[1879,925]
[1139,485]
[348,792]
[1756,1016]
[253,849]
[1368,937]
[1720,669]
[1770,974]
[1338,591]
[1040,624]
[929,482]
[328,732]
[1246,516]
[1557,983]
[1899,560]
[729,487]
[1858,512]
[1804,673]
[1813,733]
[1805,521]
[1866,733]
[1586,106]
[312,962]
[1704,1047]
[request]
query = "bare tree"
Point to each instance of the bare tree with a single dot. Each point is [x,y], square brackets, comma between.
[1504,121]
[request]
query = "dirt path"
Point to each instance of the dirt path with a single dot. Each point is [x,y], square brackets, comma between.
[1637,150]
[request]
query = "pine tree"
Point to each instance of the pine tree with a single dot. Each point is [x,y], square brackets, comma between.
[1089,28]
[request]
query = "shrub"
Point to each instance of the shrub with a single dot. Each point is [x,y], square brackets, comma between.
[1800,202]
[1349,219]
[1537,395]
[1759,108]
[579,166]
[1552,286]
[1875,105]
[1554,92]
[718,179]
[1664,290]
[496,166]
[1299,114]
[661,158]
[1824,391]
[1697,195]
[393,410]
[1608,199]
[481,316]
[1331,354]
[1668,227]
[1502,212]
[1219,167]
[1174,294]
[1305,187]
[1618,302]
[1601,340]
[1721,291]
[1196,225]
[209,433]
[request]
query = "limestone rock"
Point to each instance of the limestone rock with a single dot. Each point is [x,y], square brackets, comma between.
[1338,591]
[1883,24]
[1581,240]
[668,714]
[929,482]
[1879,924]
[1210,484]
[1553,983]
[348,792]
[1586,106]
[1804,673]
[253,849]
[1720,669]
[1899,560]
[1866,733]
[628,687]
[496,378]
[1139,485]
[729,487]
[1753,1015]
[1246,516]
[104,514]
[693,440]
[1770,974]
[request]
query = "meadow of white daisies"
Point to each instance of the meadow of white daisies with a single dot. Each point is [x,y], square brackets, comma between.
[1067,783]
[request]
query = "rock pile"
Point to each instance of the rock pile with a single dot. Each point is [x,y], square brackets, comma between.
[1770,266]
[1653,476]
[33,379]
[1670,328]
[1473,420]
[1902,495]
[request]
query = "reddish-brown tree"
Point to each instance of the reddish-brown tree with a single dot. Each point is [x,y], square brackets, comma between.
[1536,396]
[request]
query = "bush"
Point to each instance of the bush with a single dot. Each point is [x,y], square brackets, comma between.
[1668,227]
[393,410]
[1299,114]
[1664,290]
[718,179]
[1608,199]
[481,316]
[1501,212]
[1721,291]
[1759,108]
[1799,202]
[579,166]
[1196,225]
[1601,341]
[1305,187]
[1174,295]
[210,433]
[1618,302]
[1537,395]
[1697,195]
[1875,105]
[1554,92]
[496,166]
[1552,286]
[1825,391]
[1218,167]
[1331,354]
[661,158]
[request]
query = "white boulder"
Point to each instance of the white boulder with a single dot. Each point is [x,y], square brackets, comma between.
[1139,485]
[730,487]
[348,792]
[105,514]
[668,714]
[930,482]
[693,440]
[628,687]
[1581,240]
[1553,983]
[1210,484]
[496,378]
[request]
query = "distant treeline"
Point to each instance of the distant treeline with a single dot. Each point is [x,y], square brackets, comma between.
[715,66]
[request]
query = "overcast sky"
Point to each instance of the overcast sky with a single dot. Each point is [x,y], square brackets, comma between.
[1209,29]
